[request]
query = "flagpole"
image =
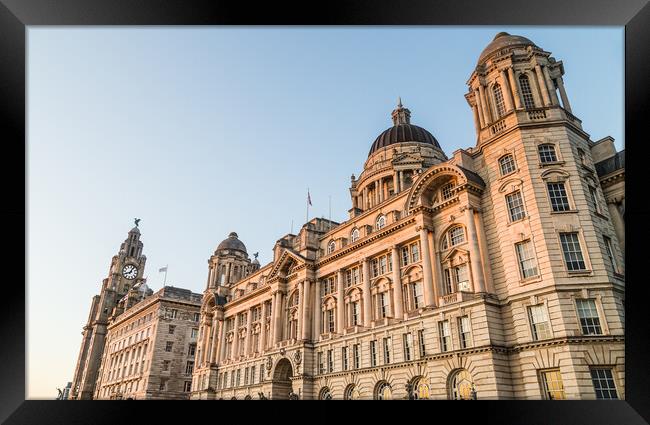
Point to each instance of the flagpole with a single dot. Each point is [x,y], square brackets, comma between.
[329,225]
[165,281]
[307,215]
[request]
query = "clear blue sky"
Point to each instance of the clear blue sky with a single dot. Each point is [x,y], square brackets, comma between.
[204,131]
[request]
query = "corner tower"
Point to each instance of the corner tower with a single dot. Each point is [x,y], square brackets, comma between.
[125,272]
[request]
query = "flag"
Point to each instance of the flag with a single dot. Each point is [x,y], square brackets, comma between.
[163,269]
[308,197]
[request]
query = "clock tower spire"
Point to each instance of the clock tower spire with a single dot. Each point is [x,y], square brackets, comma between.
[126,271]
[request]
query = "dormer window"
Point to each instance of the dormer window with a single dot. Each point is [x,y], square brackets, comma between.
[446,191]
[331,246]
[354,236]
[381,222]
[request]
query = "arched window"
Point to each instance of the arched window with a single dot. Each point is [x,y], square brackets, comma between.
[460,386]
[446,192]
[331,246]
[354,236]
[547,153]
[454,236]
[526,92]
[419,388]
[507,164]
[381,222]
[383,391]
[325,394]
[498,100]
[351,392]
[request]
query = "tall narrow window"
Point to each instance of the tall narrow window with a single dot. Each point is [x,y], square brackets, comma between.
[356,355]
[331,247]
[408,346]
[445,335]
[383,305]
[356,313]
[464,331]
[330,320]
[446,191]
[552,384]
[422,343]
[498,100]
[604,384]
[344,357]
[515,206]
[418,296]
[539,322]
[526,259]
[388,349]
[526,92]
[449,287]
[415,252]
[507,164]
[588,315]
[610,254]
[572,252]
[462,277]
[381,222]
[594,199]
[558,196]
[252,374]
[546,153]
[321,366]
[330,361]
[373,353]
[405,255]
[354,236]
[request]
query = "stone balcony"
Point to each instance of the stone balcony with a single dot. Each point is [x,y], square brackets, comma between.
[454,297]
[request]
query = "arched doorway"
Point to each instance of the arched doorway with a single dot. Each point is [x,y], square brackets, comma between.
[419,388]
[281,383]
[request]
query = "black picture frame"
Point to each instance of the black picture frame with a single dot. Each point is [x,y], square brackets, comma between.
[16,15]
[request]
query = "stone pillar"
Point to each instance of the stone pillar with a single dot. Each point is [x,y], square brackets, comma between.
[367,302]
[514,86]
[377,193]
[301,306]
[263,329]
[277,318]
[485,259]
[474,252]
[507,93]
[340,303]
[210,282]
[227,279]
[542,85]
[484,105]
[401,180]
[222,341]
[235,341]
[207,336]
[395,182]
[477,122]
[435,267]
[365,198]
[427,275]
[619,225]
[318,311]
[249,332]
[214,341]
[551,86]
[397,284]
[479,108]
[565,99]
[306,310]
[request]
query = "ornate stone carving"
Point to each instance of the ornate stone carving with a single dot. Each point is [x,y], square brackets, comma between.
[297,357]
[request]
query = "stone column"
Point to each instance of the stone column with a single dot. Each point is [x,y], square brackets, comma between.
[340,303]
[235,342]
[435,267]
[479,108]
[474,252]
[301,306]
[365,198]
[318,310]
[507,93]
[550,85]
[396,182]
[306,311]
[619,225]
[377,193]
[249,332]
[565,99]
[401,180]
[542,85]
[222,341]
[207,334]
[485,259]
[214,341]
[367,302]
[277,316]
[397,284]
[427,275]
[484,105]
[210,277]
[477,122]
[514,86]
[227,279]
[263,329]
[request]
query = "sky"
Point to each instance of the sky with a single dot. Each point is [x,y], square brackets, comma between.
[200,131]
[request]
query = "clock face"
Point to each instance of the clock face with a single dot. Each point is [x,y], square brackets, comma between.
[130,271]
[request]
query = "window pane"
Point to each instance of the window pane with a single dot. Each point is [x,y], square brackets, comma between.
[507,164]
[515,206]
[604,383]
[456,235]
[558,196]
[572,252]
[498,98]
[588,314]
[526,92]
[547,153]
[539,322]
[527,261]
[552,384]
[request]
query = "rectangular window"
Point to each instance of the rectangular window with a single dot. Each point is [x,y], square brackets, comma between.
[356,355]
[405,255]
[594,199]
[383,305]
[330,361]
[526,259]
[415,252]
[382,265]
[246,376]
[344,357]
[196,317]
[572,252]
[547,153]
[169,346]
[165,365]
[194,332]
[539,322]
[421,343]
[238,376]
[191,349]
[348,278]
[189,368]
[163,385]
[408,346]
[262,372]
[330,320]
[225,379]
[446,191]
[252,374]
[388,348]
[375,267]
[604,384]
[464,332]
[174,313]
[558,196]
[588,314]
[321,365]
[418,296]
[448,282]
[552,384]
[610,254]
[171,329]
[462,278]
[187,387]
[445,335]
[373,353]
[356,313]
[515,206]
[232,378]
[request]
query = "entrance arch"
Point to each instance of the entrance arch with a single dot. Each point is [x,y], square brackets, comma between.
[281,382]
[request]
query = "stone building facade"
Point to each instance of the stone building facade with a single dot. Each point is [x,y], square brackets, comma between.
[151,347]
[496,273]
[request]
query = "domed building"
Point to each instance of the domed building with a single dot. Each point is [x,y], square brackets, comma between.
[494,273]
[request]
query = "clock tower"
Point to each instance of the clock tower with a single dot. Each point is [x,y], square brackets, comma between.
[126,270]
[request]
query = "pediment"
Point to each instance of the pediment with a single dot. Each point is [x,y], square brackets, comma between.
[455,253]
[287,261]
[406,158]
